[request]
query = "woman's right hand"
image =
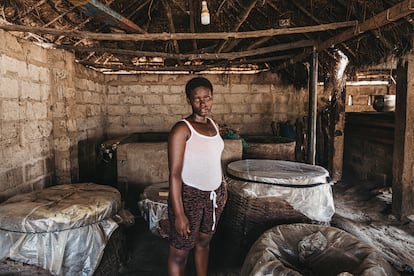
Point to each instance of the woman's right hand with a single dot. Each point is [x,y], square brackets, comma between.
[182,226]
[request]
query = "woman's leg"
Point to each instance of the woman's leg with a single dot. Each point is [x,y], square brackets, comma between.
[201,251]
[177,261]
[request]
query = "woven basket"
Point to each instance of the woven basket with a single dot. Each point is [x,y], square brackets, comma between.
[114,254]
[10,267]
[246,218]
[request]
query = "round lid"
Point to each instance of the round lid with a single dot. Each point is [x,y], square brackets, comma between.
[157,192]
[58,208]
[278,172]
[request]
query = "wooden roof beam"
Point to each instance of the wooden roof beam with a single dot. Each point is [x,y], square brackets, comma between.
[178,36]
[205,56]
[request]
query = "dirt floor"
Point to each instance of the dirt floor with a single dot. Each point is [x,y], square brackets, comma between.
[366,213]
[360,210]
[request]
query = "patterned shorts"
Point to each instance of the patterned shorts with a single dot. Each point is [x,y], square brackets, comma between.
[198,207]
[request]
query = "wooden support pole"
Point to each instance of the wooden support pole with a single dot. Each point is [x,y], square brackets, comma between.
[403,158]
[313,104]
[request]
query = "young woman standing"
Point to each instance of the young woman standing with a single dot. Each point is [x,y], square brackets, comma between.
[197,195]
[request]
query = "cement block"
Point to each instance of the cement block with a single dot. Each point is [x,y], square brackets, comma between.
[240,88]
[132,99]
[117,110]
[159,109]
[260,88]
[9,88]
[158,89]
[139,109]
[151,99]
[173,99]
[10,110]
[240,109]
[34,170]
[10,178]
[113,89]
[220,109]
[235,98]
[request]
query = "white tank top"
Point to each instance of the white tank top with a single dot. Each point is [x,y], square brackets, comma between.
[202,160]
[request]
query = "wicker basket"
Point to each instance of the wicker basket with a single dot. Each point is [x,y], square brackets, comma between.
[9,267]
[246,218]
[264,193]
[114,255]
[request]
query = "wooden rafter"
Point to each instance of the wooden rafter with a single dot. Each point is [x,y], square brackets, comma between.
[205,56]
[192,67]
[191,7]
[179,36]
[171,24]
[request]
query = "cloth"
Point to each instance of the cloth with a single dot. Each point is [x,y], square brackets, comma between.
[201,214]
[63,229]
[202,160]
[307,249]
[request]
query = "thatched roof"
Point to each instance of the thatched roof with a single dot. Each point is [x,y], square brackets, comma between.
[244,35]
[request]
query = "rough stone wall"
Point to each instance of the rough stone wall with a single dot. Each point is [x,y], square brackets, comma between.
[26,151]
[153,103]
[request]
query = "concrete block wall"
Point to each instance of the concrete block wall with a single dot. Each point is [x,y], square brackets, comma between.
[90,94]
[26,151]
[153,103]
[49,105]
[360,98]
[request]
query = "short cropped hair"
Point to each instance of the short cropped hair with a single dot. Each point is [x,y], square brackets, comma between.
[197,82]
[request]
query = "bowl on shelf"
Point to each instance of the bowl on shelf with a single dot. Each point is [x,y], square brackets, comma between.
[384,103]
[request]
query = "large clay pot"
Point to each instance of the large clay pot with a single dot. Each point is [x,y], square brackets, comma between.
[384,103]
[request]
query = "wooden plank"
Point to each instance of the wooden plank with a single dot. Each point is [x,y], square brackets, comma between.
[178,36]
